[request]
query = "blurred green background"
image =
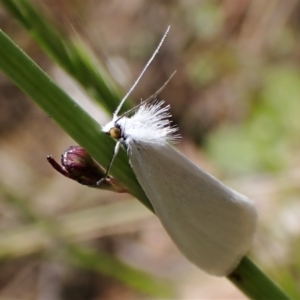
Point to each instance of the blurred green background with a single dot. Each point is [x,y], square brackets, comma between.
[236,100]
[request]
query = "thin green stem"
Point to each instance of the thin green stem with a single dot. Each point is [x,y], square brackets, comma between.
[255,283]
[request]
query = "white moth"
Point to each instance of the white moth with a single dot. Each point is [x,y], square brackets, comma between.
[211,224]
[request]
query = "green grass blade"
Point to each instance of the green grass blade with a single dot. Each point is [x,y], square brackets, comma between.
[71,56]
[104,263]
[55,231]
[254,283]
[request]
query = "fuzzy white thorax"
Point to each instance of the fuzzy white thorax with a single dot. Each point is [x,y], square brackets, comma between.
[150,124]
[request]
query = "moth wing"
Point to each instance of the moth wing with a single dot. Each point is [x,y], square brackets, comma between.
[209,222]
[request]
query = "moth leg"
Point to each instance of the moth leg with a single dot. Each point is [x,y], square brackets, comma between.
[116,151]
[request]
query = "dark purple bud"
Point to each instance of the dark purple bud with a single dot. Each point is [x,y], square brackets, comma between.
[78,165]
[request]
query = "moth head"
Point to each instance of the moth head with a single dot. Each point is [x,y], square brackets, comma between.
[112,129]
[115,133]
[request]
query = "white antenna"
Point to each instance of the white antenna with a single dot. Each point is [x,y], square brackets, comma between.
[144,70]
[148,99]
